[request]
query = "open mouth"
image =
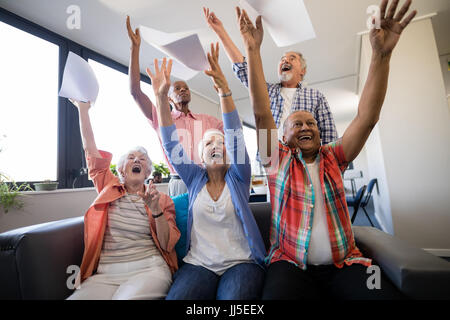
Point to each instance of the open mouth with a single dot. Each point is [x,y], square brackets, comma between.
[136,169]
[305,138]
[216,155]
[286,67]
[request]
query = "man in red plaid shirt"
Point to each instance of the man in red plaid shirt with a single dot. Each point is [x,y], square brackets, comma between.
[313,252]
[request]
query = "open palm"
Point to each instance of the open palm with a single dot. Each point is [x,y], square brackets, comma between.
[385,39]
[252,35]
[161,77]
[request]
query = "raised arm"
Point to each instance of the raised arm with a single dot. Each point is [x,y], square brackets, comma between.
[259,96]
[87,135]
[219,80]
[173,148]
[234,137]
[161,86]
[134,74]
[383,42]
[216,25]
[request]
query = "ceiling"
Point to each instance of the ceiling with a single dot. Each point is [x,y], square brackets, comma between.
[332,57]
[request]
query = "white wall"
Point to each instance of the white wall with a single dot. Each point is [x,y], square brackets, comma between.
[413,139]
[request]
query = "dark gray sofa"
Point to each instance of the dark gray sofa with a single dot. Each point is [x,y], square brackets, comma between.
[34,260]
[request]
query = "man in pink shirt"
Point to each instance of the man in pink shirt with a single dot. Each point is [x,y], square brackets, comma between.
[190,126]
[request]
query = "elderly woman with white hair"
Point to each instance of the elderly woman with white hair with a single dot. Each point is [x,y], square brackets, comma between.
[225,251]
[129,231]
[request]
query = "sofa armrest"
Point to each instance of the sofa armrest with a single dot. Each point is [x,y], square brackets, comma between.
[417,273]
[34,260]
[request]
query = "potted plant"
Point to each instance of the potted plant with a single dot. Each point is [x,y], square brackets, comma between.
[163,169]
[9,192]
[46,185]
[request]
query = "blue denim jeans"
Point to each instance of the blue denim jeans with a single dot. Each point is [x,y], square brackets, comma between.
[241,282]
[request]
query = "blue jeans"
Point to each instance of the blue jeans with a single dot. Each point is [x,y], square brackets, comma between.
[241,282]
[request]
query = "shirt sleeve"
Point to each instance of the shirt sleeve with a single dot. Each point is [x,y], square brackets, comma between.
[99,170]
[338,150]
[235,144]
[178,158]
[325,121]
[241,71]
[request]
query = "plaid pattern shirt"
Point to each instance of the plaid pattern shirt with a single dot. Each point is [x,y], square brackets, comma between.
[292,198]
[308,99]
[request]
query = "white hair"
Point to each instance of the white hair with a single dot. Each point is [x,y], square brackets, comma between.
[208,133]
[123,159]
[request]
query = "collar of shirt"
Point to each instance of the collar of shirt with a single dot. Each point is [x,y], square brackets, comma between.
[299,85]
[176,114]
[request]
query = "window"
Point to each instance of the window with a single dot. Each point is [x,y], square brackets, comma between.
[29,105]
[117,121]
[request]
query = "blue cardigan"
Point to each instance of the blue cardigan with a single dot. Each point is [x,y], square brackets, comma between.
[237,178]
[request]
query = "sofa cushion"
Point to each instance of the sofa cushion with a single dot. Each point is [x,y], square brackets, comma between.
[181,207]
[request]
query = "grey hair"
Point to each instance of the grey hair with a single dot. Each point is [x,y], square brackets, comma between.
[201,144]
[123,158]
[302,59]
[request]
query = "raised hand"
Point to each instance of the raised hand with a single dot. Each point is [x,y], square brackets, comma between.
[135,37]
[215,72]
[385,39]
[151,198]
[251,35]
[161,77]
[212,20]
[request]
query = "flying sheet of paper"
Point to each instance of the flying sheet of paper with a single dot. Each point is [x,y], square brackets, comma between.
[79,81]
[287,21]
[186,51]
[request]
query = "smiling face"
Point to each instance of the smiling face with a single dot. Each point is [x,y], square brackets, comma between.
[291,68]
[180,93]
[301,131]
[214,152]
[135,167]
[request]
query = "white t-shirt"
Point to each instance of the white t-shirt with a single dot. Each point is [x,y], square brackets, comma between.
[217,237]
[319,250]
[288,97]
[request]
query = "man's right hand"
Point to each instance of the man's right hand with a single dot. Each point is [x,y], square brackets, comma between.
[251,35]
[135,37]
[161,77]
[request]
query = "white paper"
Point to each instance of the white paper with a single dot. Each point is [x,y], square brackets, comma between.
[79,81]
[186,51]
[287,21]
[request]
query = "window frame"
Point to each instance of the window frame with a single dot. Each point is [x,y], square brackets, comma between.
[70,154]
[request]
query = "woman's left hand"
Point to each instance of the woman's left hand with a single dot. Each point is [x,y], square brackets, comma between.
[151,198]
[215,72]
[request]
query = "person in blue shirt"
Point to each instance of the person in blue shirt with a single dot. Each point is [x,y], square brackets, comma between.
[225,250]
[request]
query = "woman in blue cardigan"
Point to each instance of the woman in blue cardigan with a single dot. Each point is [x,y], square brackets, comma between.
[225,251]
